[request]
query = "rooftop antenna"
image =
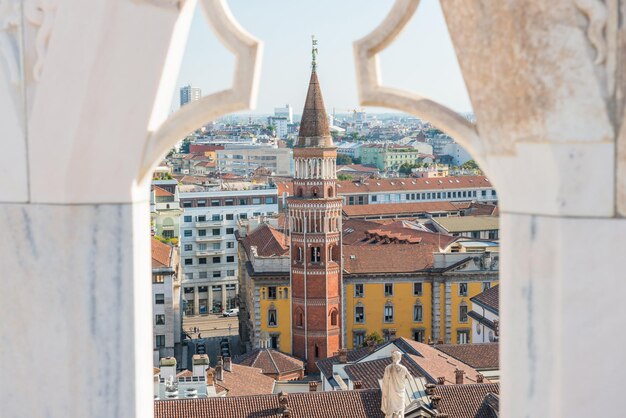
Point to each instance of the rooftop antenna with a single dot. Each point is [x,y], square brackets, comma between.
[313,53]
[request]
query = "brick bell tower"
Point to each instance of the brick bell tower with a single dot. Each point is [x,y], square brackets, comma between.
[315,224]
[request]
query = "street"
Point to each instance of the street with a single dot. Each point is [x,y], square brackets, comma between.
[210,325]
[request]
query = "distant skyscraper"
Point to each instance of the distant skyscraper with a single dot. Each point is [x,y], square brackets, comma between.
[284,112]
[189,94]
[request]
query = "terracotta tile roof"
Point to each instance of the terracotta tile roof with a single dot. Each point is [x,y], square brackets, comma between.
[391,258]
[369,372]
[468,401]
[243,381]
[413,184]
[185,373]
[161,254]
[354,230]
[403,231]
[347,403]
[482,209]
[413,208]
[270,361]
[437,364]
[314,131]
[478,356]
[161,192]
[284,187]
[326,365]
[268,240]
[490,298]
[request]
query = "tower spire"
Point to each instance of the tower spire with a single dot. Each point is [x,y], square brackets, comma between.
[313,53]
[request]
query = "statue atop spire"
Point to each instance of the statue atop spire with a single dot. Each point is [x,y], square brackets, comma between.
[313,53]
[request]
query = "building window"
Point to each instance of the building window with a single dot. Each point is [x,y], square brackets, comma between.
[217,260]
[333,318]
[317,351]
[418,312]
[243,202]
[418,335]
[202,275]
[286,293]
[217,273]
[389,334]
[160,340]
[159,299]
[299,318]
[230,244]
[462,289]
[475,234]
[271,318]
[230,272]
[274,341]
[215,202]
[187,233]
[216,246]
[158,278]
[202,260]
[188,261]
[202,232]
[359,314]
[269,200]
[358,290]
[189,290]
[463,313]
[229,202]
[462,337]
[374,198]
[187,218]
[230,258]
[230,231]
[243,216]
[316,254]
[418,289]
[486,285]
[493,234]
[388,289]
[202,218]
[256,200]
[188,247]
[187,204]
[159,319]
[189,276]
[358,338]
[216,232]
[271,292]
[389,313]
[230,216]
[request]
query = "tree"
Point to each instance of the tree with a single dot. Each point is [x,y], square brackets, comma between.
[344,159]
[342,176]
[184,148]
[470,165]
[372,339]
[406,168]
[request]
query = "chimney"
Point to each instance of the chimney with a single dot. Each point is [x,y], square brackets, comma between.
[168,367]
[228,364]
[458,374]
[430,388]
[357,384]
[210,376]
[282,401]
[480,378]
[199,362]
[219,370]
[343,355]
[435,401]
[313,386]
[441,380]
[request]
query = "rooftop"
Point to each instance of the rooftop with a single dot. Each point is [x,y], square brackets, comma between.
[478,356]
[468,223]
[469,401]
[161,254]
[412,184]
[490,298]
[270,361]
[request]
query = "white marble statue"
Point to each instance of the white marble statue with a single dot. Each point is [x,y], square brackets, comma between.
[393,387]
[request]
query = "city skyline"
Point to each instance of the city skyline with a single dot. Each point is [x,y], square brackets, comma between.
[287,54]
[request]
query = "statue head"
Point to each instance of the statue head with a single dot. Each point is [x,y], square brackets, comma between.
[396,356]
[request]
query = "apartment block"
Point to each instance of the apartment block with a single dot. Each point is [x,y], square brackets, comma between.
[208,244]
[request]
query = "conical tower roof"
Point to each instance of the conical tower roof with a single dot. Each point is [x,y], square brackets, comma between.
[314,131]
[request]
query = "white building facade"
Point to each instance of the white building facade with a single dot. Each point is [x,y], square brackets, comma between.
[458,153]
[244,160]
[189,94]
[284,112]
[209,247]
[280,124]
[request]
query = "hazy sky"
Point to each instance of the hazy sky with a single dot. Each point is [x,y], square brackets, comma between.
[422,59]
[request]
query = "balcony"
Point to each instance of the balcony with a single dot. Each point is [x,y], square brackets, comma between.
[211,238]
[208,223]
[205,253]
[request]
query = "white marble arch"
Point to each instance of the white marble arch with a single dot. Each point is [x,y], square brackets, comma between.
[90,86]
[547,88]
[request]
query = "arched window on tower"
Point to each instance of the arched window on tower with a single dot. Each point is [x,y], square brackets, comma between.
[317,351]
[333,317]
[330,192]
[299,318]
[299,194]
[315,191]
